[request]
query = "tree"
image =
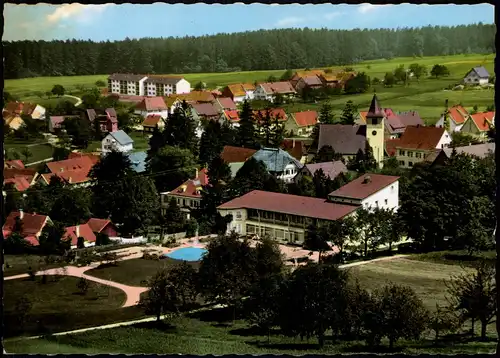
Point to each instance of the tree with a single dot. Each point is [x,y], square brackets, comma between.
[461,139]
[389,79]
[15,244]
[400,313]
[364,161]
[343,231]
[79,130]
[439,71]
[311,300]
[184,282]
[326,114]
[326,154]
[100,83]
[71,205]
[102,239]
[26,153]
[317,239]
[367,221]
[58,90]
[160,298]
[82,285]
[246,135]
[172,166]
[80,244]
[227,271]
[349,113]
[442,321]
[358,84]
[60,153]
[473,296]
[180,129]
[287,75]
[211,142]
[200,86]
[51,240]
[418,70]
[253,175]
[302,187]
[400,74]
[173,219]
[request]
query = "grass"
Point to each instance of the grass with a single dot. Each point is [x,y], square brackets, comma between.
[20,264]
[427,97]
[39,148]
[135,272]
[460,257]
[58,305]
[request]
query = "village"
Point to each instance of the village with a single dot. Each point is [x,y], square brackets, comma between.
[236,211]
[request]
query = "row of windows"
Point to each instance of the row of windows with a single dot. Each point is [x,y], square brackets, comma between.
[410,154]
[280,234]
[402,163]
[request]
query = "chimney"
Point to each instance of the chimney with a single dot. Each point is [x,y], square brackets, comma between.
[21,214]
[77,231]
[367,179]
[196,173]
[61,169]
[293,144]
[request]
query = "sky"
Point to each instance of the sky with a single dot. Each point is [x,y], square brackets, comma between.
[116,22]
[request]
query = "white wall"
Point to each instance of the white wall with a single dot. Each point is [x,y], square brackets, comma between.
[141,86]
[163,114]
[453,127]
[111,142]
[389,194]
[250,95]
[238,99]
[445,140]
[288,178]
[238,224]
[183,86]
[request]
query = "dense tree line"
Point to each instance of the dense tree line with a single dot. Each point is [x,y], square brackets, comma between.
[255,50]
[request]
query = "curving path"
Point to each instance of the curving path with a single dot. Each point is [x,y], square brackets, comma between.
[78,99]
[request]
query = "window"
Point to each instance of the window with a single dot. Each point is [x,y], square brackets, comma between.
[251,229]
[410,154]
[402,152]
[410,164]
[376,203]
[418,155]
[238,215]
[279,234]
[385,201]
[401,162]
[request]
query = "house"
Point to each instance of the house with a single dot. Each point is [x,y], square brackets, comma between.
[55,123]
[231,117]
[301,74]
[14,121]
[268,91]
[15,174]
[194,97]
[205,112]
[279,163]
[13,164]
[282,217]
[395,122]
[93,157]
[477,76]
[274,113]
[188,194]
[152,105]
[83,230]
[126,84]
[369,191]
[138,161]
[474,150]
[36,111]
[302,123]
[225,104]
[479,124]
[102,226]
[118,141]
[235,157]
[156,85]
[349,139]
[73,170]
[308,82]
[239,92]
[108,119]
[152,122]
[296,148]
[330,169]
[418,142]
[31,225]
[457,115]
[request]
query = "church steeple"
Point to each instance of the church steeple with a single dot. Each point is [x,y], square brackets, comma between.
[375,111]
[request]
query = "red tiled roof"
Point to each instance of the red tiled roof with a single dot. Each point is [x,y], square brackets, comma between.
[296,148]
[205,109]
[458,114]
[21,183]
[152,120]
[283,87]
[14,164]
[362,189]
[191,188]
[152,104]
[312,81]
[390,146]
[84,231]
[275,113]
[306,118]
[290,204]
[232,154]
[94,158]
[32,240]
[9,173]
[97,225]
[32,223]
[227,103]
[239,89]
[419,137]
[232,116]
[483,121]
[78,163]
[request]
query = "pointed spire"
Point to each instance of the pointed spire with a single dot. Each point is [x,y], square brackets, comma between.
[375,111]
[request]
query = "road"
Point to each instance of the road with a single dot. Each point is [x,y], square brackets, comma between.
[78,99]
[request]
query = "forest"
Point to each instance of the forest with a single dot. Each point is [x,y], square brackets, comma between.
[246,51]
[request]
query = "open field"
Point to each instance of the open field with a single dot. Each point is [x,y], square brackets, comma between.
[39,149]
[427,96]
[135,272]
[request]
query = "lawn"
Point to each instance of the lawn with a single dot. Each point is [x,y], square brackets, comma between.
[427,97]
[39,149]
[20,264]
[58,305]
[135,272]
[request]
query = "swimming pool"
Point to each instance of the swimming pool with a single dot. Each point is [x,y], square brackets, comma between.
[187,254]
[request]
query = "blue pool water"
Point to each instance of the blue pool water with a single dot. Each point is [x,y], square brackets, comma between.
[187,254]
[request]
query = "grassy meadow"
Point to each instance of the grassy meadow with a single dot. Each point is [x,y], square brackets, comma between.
[213,332]
[426,96]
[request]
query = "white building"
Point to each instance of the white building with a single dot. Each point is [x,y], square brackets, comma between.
[166,85]
[118,141]
[279,163]
[457,115]
[477,76]
[269,91]
[152,106]
[126,84]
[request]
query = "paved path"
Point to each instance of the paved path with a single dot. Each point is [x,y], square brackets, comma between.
[385,258]
[79,100]
[40,161]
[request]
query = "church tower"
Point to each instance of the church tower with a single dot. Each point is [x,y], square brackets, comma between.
[375,130]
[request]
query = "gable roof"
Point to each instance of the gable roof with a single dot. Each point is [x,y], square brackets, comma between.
[283,87]
[240,89]
[126,77]
[290,204]
[205,109]
[94,158]
[478,150]
[480,71]
[84,231]
[121,137]
[410,118]
[232,116]
[364,186]
[344,139]
[72,164]
[232,154]
[419,137]
[458,114]
[151,120]
[164,79]
[97,225]
[312,80]
[32,223]
[9,173]
[152,104]
[305,118]
[390,146]
[483,121]
[191,97]
[21,182]
[14,164]
[138,161]
[191,188]
[278,113]
[226,103]
[331,169]
[276,159]
[296,148]
[304,73]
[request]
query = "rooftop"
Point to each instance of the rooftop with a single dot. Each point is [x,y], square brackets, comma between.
[364,186]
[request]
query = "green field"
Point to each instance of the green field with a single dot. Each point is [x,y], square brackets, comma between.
[39,149]
[213,332]
[427,97]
